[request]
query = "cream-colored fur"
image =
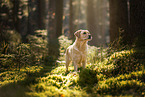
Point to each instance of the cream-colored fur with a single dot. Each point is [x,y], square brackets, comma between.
[77,53]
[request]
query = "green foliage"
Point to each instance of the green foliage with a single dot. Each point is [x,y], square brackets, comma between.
[64,43]
[96,54]
[39,43]
[6,60]
[9,41]
[123,84]
[120,63]
[59,70]
[8,48]
[87,77]
[58,85]
[23,54]
[86,83]
[39,47]
[16,76]
[92,55]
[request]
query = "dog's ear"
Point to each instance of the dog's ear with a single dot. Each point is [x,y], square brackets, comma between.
[77,33]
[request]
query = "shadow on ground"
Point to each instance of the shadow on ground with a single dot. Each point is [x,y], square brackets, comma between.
[21,87]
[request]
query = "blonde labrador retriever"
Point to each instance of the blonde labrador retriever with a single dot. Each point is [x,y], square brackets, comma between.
[77,53]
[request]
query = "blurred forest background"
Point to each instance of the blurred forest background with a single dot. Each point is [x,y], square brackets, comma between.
[35,32]
[104,19]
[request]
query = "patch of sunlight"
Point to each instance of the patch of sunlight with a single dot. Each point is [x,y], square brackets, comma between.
[11,76]
[32,69]
[61,70]
[72,93]
[57,84]
[15,76]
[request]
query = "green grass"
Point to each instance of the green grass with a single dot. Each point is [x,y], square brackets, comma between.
[119,85]
[119,74]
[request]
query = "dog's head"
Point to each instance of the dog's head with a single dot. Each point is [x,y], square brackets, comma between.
[83,35]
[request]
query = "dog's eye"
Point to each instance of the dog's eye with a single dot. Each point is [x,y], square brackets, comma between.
[84,33]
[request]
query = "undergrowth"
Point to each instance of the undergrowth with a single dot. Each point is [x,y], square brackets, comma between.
[108,73]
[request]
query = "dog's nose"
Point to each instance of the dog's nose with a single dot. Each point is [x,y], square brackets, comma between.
[89,37]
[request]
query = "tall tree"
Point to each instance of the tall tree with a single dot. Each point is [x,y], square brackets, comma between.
[21,8]
[33,18]
[71,31]
[137,22]
[91,24]
[42,8]
[55,26]
[59,16]
[102,19]
[118,18]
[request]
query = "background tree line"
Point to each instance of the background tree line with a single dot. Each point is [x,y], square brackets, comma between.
[105,19]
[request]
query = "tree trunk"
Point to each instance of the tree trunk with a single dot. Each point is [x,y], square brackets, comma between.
[42,13]
[59,16]
[71,31]
[22,19]
[33,18]
[55,27]
[102,20]
[91,24]
[118,19]
[137,22]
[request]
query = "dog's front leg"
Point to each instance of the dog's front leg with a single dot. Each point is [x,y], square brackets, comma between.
[75,66]
[67,64]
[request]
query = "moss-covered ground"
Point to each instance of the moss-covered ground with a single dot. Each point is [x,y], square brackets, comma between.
[108,72]
[120,74]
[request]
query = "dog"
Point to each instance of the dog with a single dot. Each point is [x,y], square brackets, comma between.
[77,52]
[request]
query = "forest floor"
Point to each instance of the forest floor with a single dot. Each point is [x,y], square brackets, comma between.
[118,75]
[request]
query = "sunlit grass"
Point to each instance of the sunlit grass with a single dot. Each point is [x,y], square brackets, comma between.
[58,84]
[107,74]
[15,76]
